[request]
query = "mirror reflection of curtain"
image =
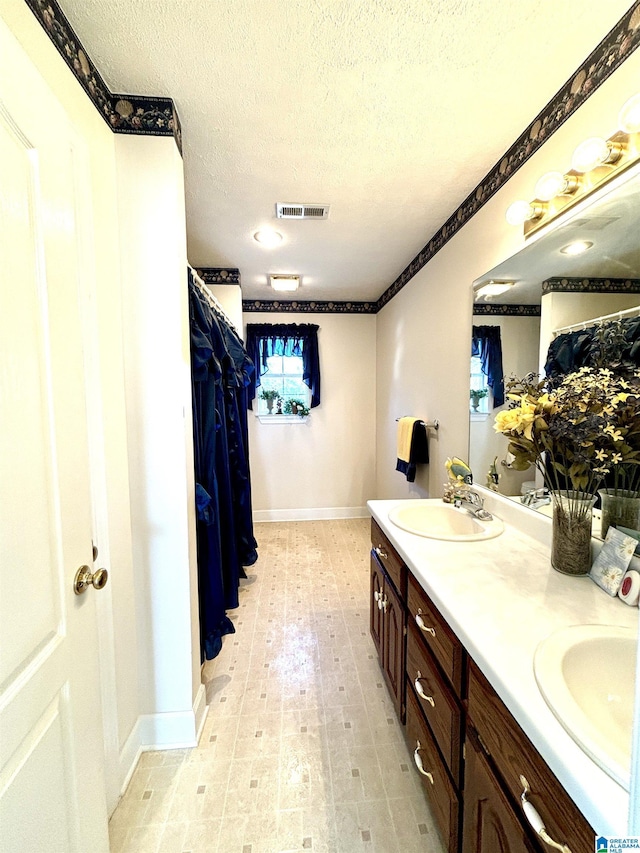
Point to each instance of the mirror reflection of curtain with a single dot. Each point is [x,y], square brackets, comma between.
[486,343]
[570,351]
[287,339]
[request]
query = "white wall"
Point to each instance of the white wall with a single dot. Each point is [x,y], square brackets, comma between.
[324,467]
[151,219]
[230,298]
[424,332]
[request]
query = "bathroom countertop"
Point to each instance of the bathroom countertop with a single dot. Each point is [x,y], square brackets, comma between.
[501,597]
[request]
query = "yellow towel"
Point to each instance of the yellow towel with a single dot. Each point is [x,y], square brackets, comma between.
[405,434]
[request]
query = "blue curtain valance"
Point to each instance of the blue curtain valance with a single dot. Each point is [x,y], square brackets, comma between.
[301,339]
[486,343]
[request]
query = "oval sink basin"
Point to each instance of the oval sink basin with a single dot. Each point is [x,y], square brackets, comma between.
[586,674]
[437,520]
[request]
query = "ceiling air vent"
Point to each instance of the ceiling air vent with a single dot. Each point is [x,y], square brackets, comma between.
[289,210]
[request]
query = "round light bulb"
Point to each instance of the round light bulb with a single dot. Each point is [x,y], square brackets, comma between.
[590,154]
[267,237]
[551,185]
[577,247]
[629,115]
[519,212]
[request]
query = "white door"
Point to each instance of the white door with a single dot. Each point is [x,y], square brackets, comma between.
[51,751]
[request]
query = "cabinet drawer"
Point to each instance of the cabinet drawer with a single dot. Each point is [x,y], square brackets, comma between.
[390,559]
[436,634]
[436,699]
[441,794]
[514,755]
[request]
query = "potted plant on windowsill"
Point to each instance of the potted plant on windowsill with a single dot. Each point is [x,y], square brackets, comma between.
[269,395]
[296,407]
[477,394]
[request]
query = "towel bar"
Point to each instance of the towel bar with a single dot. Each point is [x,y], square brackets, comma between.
[429,424]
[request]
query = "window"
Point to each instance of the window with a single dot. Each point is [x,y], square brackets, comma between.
[283,378]
[287,363]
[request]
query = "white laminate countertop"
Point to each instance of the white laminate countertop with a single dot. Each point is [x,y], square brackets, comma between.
[501,597]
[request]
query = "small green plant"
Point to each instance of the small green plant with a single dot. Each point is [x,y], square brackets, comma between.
[296,407]
[478,393]
[269,394]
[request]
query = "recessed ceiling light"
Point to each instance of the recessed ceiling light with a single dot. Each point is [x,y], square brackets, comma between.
[493,288]
[268,237]
[285,283]
[577,247]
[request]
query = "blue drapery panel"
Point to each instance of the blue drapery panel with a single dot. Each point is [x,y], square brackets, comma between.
[220,375]
[301,339]
[486,343]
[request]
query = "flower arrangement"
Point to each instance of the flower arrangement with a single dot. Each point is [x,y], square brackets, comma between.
[577,433]
[296,407]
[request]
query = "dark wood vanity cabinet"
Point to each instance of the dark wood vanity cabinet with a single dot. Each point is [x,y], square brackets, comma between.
[512,759]
[469,751]
[388,623]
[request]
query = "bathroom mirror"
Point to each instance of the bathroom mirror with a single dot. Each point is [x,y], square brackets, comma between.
[581,291]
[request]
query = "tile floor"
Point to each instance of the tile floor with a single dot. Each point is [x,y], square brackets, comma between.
[301,749]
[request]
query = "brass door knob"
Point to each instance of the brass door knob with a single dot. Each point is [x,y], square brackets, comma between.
[85,578]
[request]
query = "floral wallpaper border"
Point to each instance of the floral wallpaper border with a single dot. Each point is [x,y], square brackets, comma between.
[123,113]
[591,285]
[623,39]
[219,275]
[507,310]
[294,306]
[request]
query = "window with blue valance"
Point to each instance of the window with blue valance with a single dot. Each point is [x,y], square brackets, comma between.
[300,339]
[486,343]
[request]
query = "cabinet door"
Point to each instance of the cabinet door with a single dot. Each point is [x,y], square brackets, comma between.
[375,604]
[437,786]
[393,640]
[490,825]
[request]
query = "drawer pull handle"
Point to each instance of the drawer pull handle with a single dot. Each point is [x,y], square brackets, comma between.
[376,595]
[421,692]
[422,626]
[418,760]
[537,824]
[384,601]
[378,550]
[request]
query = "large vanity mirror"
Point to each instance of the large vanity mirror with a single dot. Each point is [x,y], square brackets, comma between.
[579,289]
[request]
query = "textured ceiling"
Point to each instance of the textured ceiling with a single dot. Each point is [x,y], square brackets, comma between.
[391,111]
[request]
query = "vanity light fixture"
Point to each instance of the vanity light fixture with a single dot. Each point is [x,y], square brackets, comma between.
[555,183]
[493,288]
[284,283]
[629,116]
[595,162]
[577,247]
[268,237]
[523,211]
[595,152]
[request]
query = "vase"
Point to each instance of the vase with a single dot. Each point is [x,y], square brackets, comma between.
[270,406]
[620,508]
[571,533]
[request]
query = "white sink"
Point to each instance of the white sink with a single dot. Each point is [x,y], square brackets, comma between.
[437,520]
[586,674]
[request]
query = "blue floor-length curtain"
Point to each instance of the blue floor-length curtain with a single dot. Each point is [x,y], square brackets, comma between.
[221,372]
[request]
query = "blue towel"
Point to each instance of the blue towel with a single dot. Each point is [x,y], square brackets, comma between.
[419,453]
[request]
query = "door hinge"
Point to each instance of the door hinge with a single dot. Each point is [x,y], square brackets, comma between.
[464,751]
[404,630]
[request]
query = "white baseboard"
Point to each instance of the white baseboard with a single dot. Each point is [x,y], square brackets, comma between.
[177,730]
[310,514]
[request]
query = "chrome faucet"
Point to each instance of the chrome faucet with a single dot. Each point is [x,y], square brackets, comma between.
[473,503]
[536,497]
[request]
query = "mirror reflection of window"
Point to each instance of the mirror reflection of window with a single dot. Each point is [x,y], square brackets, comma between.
[480,400]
